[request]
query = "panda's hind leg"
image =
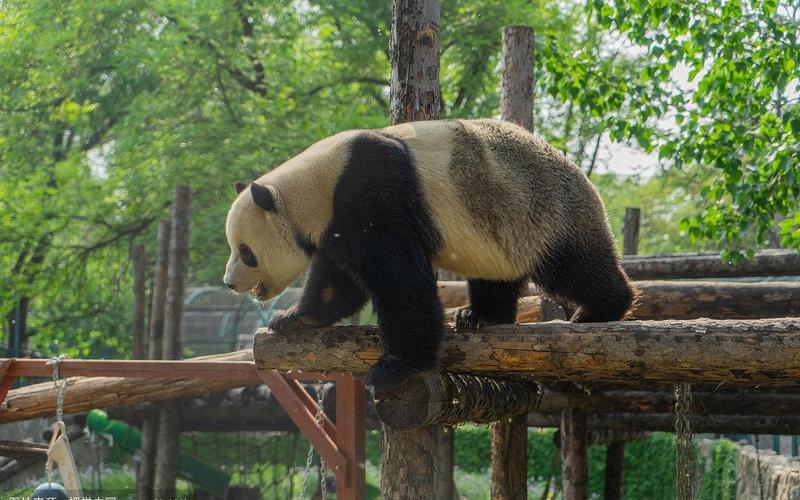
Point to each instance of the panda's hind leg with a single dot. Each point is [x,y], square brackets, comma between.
[591,278]
[490,303]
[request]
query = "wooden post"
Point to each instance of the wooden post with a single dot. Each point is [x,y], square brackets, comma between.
[615,469]
[146,472]
[574,455]
[351,429]
[414,50]
[159,299]
[517,79]
[510,436]
[444,485]
[407,457]
[630,231]
[139,297]
[168,421]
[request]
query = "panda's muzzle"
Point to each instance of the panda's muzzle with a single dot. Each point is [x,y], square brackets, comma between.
[260,292]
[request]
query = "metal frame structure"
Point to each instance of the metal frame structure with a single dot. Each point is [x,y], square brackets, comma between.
[340,444]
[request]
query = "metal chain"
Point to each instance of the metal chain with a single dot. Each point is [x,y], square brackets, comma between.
[321,423]
[684,444]
[60,386]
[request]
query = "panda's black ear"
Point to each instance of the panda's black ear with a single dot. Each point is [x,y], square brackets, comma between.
[239,186]
[263,197]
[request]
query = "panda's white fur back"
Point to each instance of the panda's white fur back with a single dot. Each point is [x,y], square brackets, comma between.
[491,224]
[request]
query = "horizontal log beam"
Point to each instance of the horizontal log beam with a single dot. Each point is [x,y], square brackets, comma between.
[665,422]
[86,393]
[711,265]
[450,399]
[756,353]
[672,300]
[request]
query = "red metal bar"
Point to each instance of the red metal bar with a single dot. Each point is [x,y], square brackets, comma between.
[6,379]
[212,370]
[351,416]
[305,419]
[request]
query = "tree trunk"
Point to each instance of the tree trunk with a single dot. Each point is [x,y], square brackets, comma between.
[414,78]
[574,455]
[510,458]
[139,297]
[159,299]
[407,463]
[630,231]
[626,353]
[407,457]
[444,486]
[516,88]
[615,469]
[708,265]
[169,424]
[145,478]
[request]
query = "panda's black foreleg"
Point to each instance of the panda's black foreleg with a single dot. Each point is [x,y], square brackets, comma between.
[410,317]
[329,294]
[490,303]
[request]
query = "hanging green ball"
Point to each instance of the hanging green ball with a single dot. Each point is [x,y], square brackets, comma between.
[49,491]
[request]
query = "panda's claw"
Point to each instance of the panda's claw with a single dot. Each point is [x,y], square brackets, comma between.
[466,319]
[288,320]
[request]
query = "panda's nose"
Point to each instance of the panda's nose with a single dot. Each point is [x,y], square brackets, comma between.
[230,285]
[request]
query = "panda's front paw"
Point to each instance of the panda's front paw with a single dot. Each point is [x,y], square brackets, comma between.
[392,370]
[467,319]
[290,319]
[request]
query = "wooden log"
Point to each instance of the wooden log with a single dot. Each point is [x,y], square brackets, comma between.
[630,231]
[159,299]
[574,455]
[710,265]
[444,460]
[139,297]
[253,408]
[167,445]
[86,393]
[407,457]
[665,422]
[145,474]
[668,300]
[517,78]
[449,399]
[615,470]
[737,353]
[414,58]
[705,403]
[720,300]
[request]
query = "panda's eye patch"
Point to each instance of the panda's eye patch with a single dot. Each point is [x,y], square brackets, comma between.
[247,255]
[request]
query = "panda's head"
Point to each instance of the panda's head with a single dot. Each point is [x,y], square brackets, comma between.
[265,255]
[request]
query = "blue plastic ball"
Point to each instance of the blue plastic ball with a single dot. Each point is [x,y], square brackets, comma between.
[49,491]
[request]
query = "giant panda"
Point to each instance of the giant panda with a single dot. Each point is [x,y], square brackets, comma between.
[375,212]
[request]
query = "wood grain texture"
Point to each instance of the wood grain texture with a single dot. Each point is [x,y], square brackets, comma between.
[669,300]
[414,57]
[708,265]
[86,393]
[733,352]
